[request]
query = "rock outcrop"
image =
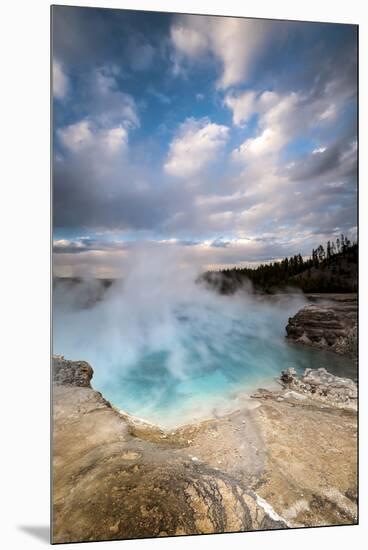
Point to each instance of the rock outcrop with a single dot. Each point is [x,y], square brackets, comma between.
[71,373]
[108,483]
[331,326]
[323,386]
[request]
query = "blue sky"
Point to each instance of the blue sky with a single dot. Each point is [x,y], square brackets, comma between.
[232,141]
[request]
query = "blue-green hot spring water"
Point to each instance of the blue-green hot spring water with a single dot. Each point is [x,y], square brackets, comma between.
[174,355]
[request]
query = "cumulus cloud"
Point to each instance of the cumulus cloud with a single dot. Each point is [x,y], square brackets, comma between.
[281,119]
[104,131]
[245,104]
[274,130]
[89,144]
[234,42]
[60,81]
[106,102]
[83,136]
[242,105]
[196,145]
[267,143]
[187,39]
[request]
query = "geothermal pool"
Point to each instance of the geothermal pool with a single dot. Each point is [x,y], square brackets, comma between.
[175,355]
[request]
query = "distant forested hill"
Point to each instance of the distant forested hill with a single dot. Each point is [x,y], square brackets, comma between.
[332,268]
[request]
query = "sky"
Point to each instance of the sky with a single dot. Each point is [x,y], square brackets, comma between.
[224,141]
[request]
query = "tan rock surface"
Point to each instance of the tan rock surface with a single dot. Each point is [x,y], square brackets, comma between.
[117,477]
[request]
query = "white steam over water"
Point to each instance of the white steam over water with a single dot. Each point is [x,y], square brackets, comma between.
[168,349]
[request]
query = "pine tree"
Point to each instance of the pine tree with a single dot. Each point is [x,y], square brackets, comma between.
[328,250]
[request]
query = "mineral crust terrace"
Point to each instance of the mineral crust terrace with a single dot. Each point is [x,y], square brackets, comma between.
[287,458]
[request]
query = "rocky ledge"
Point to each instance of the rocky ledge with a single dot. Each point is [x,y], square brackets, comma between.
[284,459]
[315,385]
[71,373]
[331,325]
[320,385]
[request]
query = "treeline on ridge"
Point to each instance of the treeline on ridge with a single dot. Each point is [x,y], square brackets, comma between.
[332,268]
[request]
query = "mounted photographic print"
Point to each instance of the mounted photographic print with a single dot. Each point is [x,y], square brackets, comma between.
[204,182]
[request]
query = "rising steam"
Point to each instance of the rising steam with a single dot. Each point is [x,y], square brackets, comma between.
[157,334]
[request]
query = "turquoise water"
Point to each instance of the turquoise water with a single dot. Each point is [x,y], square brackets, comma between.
[171,355]
[152,391]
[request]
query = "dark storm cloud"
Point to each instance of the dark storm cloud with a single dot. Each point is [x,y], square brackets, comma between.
[309,57]
[337,161]
[83,199]
[94,36]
